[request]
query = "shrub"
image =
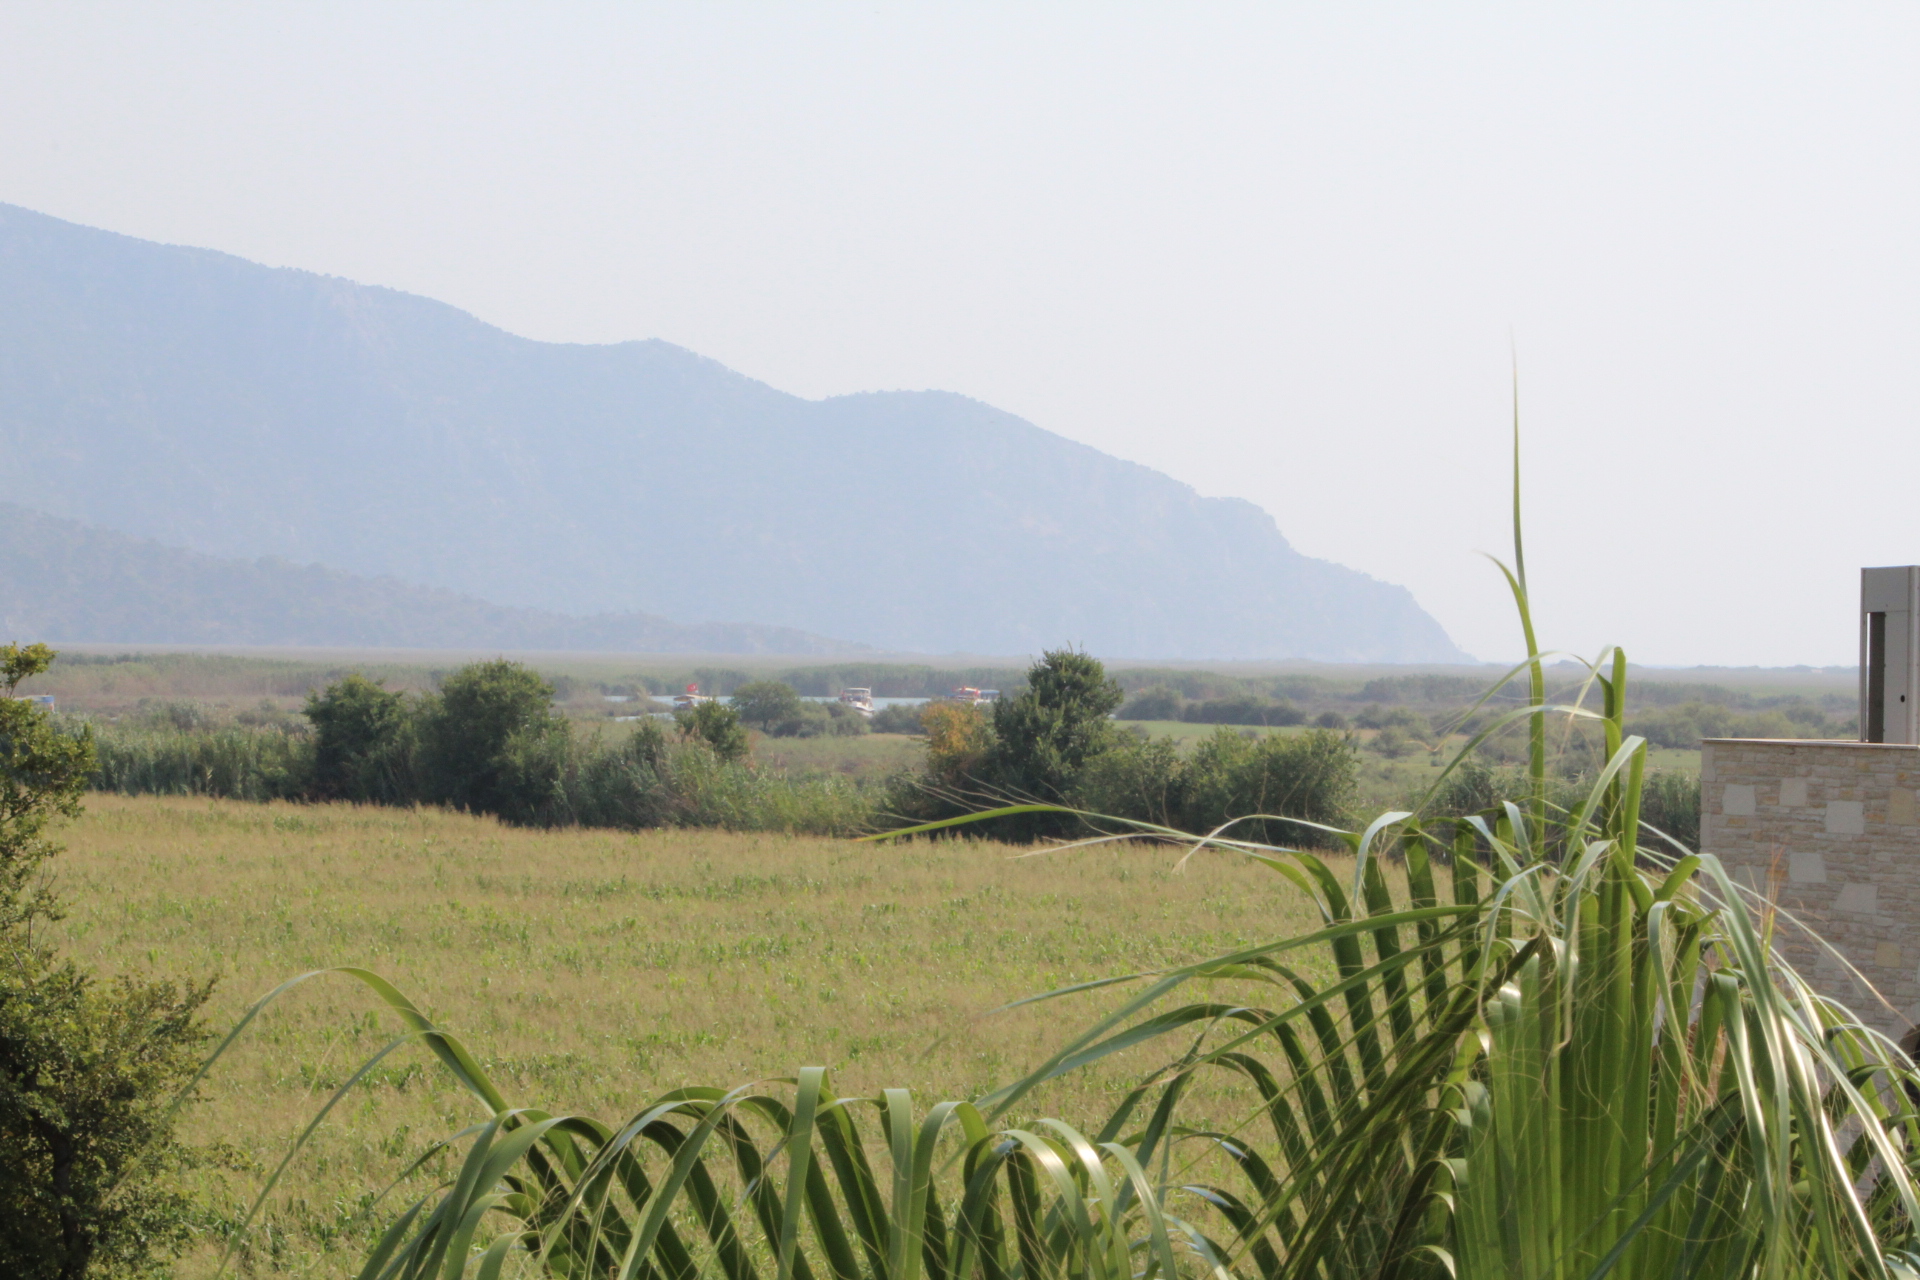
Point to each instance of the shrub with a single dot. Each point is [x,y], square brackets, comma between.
[1311,776]
[1157,703]
[899,718]
[716,725]
[843,721]
[491,740]
[1139,778]
[1043,737]
[238,764]
[1245,710]
[1392,742]
[959,736]
[765,704]
[1670,802]
[87,1074]
[363,743]
[625,786]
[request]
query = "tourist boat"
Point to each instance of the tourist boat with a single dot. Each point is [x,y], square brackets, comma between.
[690,699]
[860,700]
[972,697]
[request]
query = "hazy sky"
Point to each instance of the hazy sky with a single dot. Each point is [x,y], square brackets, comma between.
[1277,251]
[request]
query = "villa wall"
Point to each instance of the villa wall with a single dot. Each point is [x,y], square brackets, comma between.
[1831,829]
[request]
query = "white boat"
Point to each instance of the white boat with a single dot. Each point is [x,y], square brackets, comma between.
[972,697]
[860,700]
[690,699]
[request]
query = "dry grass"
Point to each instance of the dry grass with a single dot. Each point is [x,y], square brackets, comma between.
[592,970]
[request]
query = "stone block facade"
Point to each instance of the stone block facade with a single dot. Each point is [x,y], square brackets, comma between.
[1829,830]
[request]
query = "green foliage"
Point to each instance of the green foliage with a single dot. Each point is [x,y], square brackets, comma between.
[1670,803]
[718,726]
[1243,710]
[901,717]
[1043,737]
[237,764]
[1156,703]
[1311,776]
[1139,778]
[764,704]
[363,742]
[86,1074]
[491,741]
[43,774]
[776,710]
[627,786]
[1684,725]
[1054,744]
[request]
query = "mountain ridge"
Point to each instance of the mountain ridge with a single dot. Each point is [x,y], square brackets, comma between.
[64,581]
[191,396]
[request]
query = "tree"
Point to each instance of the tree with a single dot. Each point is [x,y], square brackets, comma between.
[87,1075]
[494,743]
[1044,736]
[360,750]
[765,704]
[87,1072]
[718,726]
[43,773]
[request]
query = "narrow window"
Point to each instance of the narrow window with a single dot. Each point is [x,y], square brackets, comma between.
[1876,677]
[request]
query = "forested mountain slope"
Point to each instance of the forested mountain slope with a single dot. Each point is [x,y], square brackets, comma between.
[246,411]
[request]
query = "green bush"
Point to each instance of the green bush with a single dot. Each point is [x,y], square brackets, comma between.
[88,1072]
[626,786]
[769,706]
[776,710]
[1243,710]
[899,718]
[1139,778]
[87,1075]
[491,741]
[718,726]
[1670,802]
[1311,776]
[1043,737]
[364,744]
[1157,703]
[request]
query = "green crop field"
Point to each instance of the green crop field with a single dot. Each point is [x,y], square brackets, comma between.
[593,970]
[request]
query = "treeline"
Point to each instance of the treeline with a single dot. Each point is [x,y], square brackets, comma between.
[490,740]
[487,741]
[1665,722]
[1056,743]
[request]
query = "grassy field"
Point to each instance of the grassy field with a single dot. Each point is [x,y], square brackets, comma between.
[559,956]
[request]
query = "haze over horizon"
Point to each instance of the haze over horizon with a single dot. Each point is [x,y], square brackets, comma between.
[1282,255]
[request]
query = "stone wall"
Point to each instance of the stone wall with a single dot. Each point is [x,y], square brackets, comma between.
[1829,831]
